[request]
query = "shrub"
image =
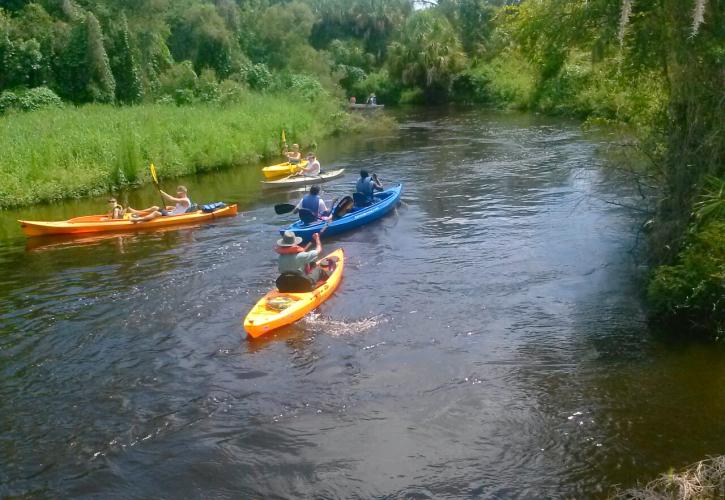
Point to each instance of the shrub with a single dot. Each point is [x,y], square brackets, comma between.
[387,90]
[412,96]
[691,291]
[29,100]
[257,76]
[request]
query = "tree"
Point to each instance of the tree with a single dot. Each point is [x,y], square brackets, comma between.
[125,69]
[201,36]
[427,55]
[84,73]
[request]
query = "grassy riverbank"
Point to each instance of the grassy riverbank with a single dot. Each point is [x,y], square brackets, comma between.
[76,151]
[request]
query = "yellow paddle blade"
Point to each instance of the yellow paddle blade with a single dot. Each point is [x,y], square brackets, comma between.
[283,137]
[153,173]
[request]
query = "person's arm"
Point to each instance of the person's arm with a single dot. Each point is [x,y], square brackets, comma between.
[322,208]
[318,245]
[376,182]
[173,199]
[297,208]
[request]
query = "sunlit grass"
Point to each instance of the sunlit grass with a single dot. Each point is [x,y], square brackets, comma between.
[63,153]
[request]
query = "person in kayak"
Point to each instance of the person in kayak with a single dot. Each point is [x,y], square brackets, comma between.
[313,167]
[295,259]
[116,210]
[183,203]
[294,156]
[366,186]
[313,203]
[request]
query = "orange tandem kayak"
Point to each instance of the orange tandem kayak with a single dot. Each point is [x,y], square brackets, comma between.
[102,224]
[277,309]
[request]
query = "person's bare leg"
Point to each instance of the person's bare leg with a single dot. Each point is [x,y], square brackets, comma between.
[153,215]
[143,212]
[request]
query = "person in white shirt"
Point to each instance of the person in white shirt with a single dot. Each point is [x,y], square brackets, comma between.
[183,203]
[313,167]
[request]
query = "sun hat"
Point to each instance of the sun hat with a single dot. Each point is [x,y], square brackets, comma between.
[289,239]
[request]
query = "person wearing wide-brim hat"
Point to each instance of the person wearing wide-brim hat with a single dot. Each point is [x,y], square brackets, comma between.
[295,259]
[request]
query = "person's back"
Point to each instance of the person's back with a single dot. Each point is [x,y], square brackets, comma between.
[365,186]
[311,202]
[295,259]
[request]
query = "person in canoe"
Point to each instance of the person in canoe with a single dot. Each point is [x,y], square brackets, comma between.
[115,209]
[294,157]
[314,206]
[313,167]
[365,188]
[294,259]
[182,201]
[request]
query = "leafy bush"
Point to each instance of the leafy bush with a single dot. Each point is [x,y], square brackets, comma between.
[304,86]
[691,291]
[207,89]
[179,77]
[231,92]
[29,100]
[506,81]
[257,76]
[385,88]
[412,96]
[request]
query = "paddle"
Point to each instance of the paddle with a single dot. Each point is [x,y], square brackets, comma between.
[155,180]
[284,208]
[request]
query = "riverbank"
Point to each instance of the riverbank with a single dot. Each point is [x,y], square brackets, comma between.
[56,154]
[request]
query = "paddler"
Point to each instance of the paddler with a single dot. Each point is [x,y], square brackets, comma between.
[313,203]
[116,210]
[294,156]
[313,166]
[182,201]
[296,259]
[367,185]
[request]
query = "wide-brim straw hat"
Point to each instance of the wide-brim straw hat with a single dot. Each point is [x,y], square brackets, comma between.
[289,239]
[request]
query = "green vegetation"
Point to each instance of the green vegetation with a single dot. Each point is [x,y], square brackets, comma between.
[653,66]
[95,148]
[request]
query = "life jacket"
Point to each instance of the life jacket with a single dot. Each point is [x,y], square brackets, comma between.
[312,203]
[288,250]
[365,186]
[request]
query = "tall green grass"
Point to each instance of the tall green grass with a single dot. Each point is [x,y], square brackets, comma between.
[64,153]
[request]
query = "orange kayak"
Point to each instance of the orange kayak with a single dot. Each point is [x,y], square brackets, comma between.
[102,224]
[277,309]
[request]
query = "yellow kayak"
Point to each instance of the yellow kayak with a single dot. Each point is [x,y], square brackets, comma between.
[282,169]
[277,309]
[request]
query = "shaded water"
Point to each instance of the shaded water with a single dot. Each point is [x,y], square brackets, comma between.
[487,339]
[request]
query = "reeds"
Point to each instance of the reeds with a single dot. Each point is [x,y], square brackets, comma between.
[703,481]
[64,153]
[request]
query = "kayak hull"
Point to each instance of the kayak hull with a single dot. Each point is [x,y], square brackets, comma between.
[300,180]
[102,224]
[385,201]
[283,169]
[263,318]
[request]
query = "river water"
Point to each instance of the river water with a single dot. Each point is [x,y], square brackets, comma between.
[487,341]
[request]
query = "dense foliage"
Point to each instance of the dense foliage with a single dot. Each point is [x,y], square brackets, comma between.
[653,65]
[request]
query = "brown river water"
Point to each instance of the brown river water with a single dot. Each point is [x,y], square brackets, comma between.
[488,339]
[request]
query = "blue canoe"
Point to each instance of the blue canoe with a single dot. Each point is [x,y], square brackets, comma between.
[384,202]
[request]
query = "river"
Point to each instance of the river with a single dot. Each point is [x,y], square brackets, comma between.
[488,339]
